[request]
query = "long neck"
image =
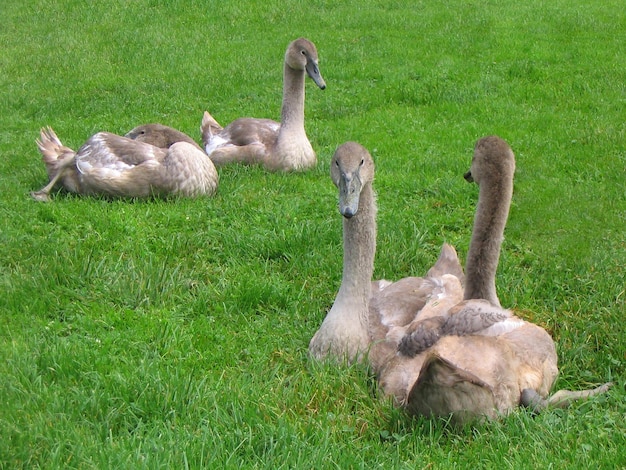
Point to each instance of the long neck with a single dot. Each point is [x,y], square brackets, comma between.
[494,200]
[359,249]
[292,111]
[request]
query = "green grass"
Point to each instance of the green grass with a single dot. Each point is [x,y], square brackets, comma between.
[173,334]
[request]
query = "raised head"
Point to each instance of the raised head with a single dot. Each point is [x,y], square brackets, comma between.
[351,169]
[493,161]
[493,168]
[159,135]
[302,55]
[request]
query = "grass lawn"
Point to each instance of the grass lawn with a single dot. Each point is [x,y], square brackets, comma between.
[174,333]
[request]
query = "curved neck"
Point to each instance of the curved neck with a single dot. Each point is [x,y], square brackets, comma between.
[292,110]
[359,249]
[492,211]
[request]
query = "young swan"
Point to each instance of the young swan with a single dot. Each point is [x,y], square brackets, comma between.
[493,168]
[365,312]
[112,165]
[485,362]
[277,146]
[344,332]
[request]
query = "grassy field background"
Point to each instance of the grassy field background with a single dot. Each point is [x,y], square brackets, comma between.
[173,334]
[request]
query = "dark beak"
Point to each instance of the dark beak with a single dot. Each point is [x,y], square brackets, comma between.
[349,194]
[314,72]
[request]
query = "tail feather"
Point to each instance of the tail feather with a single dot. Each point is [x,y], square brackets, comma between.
[447,263]
[209,127]
[51,147]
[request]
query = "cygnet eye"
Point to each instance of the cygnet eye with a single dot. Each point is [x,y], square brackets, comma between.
[362,161]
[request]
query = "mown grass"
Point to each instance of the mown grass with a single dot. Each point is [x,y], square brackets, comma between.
[173,334]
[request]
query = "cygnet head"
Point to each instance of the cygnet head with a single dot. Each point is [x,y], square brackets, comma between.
[302,55]
[158,135]
[351,169]
[493,161]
